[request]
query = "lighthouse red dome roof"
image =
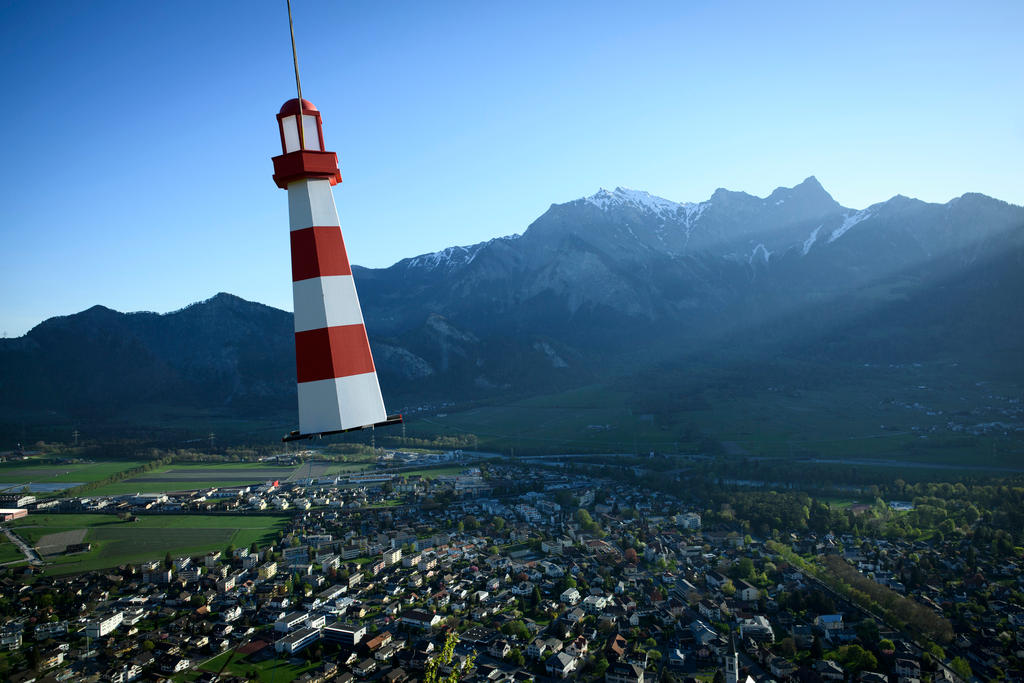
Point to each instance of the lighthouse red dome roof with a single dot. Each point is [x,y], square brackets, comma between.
[291,107]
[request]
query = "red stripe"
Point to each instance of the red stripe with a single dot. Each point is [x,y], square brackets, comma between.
[318,251]
[332,352]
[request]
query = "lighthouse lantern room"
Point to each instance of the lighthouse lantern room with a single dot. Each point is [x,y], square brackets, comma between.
[312,137]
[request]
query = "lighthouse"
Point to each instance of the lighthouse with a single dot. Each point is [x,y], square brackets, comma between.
[337,381]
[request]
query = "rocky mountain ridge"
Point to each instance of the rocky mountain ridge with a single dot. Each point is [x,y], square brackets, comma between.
[594,288]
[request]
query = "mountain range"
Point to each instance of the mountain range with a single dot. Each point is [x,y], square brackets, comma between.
[598,289]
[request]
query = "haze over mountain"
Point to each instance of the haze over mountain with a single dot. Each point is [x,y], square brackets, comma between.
[599,287]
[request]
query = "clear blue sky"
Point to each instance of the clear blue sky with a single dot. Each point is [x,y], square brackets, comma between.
[138,135]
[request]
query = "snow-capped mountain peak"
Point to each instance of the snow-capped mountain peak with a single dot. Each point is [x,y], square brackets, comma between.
[606,200]
[452,256]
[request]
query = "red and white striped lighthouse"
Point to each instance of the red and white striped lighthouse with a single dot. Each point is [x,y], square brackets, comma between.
[338,388]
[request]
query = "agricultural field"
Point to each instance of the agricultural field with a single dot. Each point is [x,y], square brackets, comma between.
[179,477]
[592,419]
[115,542]
[434,472]
[53,476]
[922,415]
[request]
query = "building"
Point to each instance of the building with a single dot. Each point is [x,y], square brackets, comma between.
[102,627]
[392,556]
[16,500]
[747,592]
[348,635]
[421,618]
[560,665]
[297,641]
[267,571]
[290,621]
[624,672]
[7,514]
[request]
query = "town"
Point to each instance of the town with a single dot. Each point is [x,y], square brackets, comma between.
[511,571]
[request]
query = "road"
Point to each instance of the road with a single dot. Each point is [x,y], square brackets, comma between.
[31,555]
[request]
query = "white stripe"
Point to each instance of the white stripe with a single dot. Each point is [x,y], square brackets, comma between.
[326,301]
[311,202]
[328,405]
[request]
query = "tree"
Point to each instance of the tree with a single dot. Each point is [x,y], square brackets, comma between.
[961,668]
[743,570]
[431,673]
[719,677]
[855,658]
[816,650]
[516,657]
[867,631]
[498,522]
[517,628]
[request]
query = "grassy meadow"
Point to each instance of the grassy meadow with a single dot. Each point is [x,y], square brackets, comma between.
[150,537]
[921,415]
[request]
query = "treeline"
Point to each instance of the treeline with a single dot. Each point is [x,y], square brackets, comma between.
[442,442]
[846,580]
[119,476]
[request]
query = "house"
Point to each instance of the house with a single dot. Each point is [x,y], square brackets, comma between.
[872,677]
[560,665]
[757,628]
[781,667]
[715,579]
[125,674]
[616,646]
[499,648]
[172,664]
[747,592]
[365,668]
[536,648]
[419,618]
[593,604]
[829,622]
[570,596]
[622,672]
[577,648]
[829,670]
[378,641]
[907,668]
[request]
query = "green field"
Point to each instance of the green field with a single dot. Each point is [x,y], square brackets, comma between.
[33,470]
[592,419]
[433,472]
[8,551]
[897,413]
[349,467]
[151,537]
[183,477]
[274,669]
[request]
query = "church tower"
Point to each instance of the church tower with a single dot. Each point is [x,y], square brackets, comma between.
[732,668]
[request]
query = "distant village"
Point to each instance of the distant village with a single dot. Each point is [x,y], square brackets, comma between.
[543,575]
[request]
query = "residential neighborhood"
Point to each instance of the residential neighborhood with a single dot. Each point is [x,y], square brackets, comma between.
[533,573]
